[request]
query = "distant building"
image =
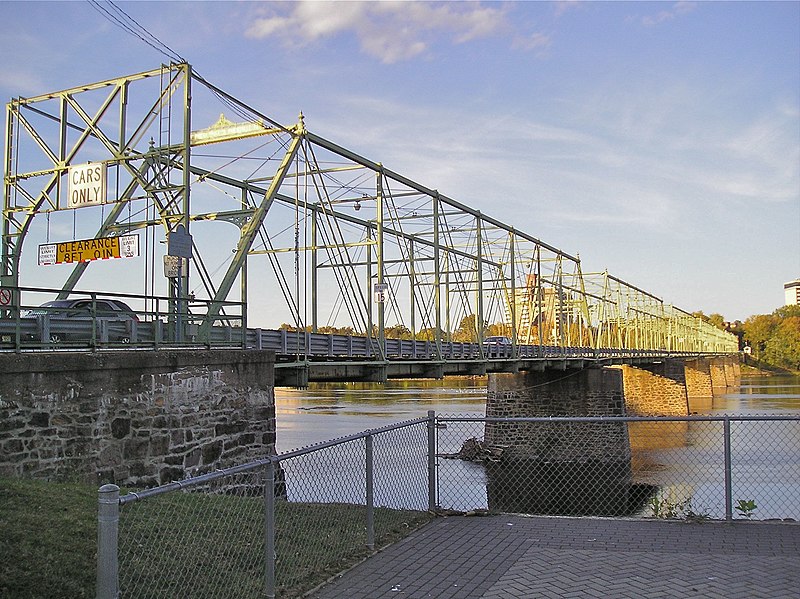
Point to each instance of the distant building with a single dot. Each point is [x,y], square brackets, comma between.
[792,291]
[540,315]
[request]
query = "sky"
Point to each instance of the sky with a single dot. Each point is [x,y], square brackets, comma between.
[657,140]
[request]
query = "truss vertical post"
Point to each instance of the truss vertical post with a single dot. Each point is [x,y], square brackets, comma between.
[186,145]
[587,318]
[413,288]
[314,265]
[560,306]
[379,260]
[187,183]
[479,320]
[513,265]
[370,295]
[9,275]
[437,278]
[540,300]
[447,324]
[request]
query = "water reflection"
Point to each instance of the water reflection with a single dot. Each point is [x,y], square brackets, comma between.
[671,463]
[329,411]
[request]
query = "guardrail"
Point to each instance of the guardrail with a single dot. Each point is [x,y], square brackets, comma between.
[29,323]
[301,344]
[166,322]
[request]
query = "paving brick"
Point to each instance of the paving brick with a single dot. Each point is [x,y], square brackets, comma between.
[469,558]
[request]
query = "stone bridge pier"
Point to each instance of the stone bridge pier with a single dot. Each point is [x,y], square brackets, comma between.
[576,467]
[552,467]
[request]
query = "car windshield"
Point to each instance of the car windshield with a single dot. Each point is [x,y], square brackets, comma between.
[53,307]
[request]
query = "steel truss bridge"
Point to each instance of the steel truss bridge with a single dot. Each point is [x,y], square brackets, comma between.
[268,224]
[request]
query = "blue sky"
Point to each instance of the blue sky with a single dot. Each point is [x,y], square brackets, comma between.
[658,140]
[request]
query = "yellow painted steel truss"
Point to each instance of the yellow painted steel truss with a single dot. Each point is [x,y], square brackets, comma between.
[323,238]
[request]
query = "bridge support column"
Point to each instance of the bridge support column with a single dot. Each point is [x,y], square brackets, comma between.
[733,370]
[556,467]
[698,378]
[725,372]
[655,389]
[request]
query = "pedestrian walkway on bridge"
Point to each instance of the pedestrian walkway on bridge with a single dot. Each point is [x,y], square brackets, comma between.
[504,557]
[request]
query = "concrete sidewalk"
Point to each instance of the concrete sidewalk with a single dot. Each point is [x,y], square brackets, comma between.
[499,557]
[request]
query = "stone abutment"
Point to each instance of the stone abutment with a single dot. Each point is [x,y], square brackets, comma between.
[134,418]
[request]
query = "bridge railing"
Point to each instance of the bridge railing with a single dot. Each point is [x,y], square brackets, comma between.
[155,322]
[43,318]
[282,525]
[306,344]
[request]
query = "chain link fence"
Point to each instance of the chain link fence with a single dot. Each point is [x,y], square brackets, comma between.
[281,526]
[666,467]
[276,528]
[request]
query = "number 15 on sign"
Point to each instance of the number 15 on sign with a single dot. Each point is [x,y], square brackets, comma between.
[380,290]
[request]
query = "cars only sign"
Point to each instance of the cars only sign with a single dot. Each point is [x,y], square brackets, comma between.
[87,185]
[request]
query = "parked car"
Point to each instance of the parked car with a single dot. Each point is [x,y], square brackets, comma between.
[497,341]
[497,346]
[71,320]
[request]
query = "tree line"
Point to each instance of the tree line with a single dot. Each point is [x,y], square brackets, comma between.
[771,339]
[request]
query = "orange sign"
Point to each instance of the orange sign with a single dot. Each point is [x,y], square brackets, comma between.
[86,250]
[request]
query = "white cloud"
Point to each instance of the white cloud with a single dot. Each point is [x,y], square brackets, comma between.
[678,9]
[21,81]
[605,165]
[389,31]
[564,6]
[535,41]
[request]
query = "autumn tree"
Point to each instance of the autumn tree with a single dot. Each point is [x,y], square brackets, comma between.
[775,338]
[398,331]
[467,331]
[758,330]
[783,347]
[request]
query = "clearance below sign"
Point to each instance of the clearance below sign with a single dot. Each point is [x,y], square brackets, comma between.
[86,250]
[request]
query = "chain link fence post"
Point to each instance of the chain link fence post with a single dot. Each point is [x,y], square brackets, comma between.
[269,530]
[431,460]
[728,483]
[370,494]
[107,537]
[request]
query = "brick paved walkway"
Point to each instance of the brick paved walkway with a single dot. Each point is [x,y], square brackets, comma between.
[503,557]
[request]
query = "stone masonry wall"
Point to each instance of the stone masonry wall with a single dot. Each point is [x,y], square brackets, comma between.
[733,371]
[655,389]
[589,392]
[134,418]
[554,467]
[718,377]
[698,378]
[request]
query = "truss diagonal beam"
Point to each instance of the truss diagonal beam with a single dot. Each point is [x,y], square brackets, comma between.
[252,227]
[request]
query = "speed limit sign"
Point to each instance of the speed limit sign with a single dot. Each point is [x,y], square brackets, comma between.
[379,291]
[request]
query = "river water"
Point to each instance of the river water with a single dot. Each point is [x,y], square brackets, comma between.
[771,469]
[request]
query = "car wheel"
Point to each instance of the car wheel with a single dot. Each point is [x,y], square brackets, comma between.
[125,340]
[55,338]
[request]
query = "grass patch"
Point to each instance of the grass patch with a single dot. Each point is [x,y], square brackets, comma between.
[179,544]
[48,539]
